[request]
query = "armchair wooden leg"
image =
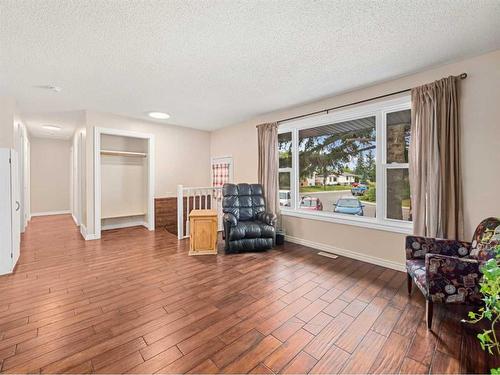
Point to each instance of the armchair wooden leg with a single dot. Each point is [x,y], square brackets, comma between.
[409,282]
[428,313]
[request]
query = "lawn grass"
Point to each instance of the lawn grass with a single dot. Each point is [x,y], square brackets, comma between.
[315,189]
[405,203]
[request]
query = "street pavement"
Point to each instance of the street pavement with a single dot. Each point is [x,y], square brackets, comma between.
[328,198]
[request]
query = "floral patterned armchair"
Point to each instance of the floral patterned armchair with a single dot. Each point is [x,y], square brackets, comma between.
[447,271]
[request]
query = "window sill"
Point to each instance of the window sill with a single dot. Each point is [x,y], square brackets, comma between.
[389,226]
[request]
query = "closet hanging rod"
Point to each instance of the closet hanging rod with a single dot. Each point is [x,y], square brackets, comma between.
[123,153]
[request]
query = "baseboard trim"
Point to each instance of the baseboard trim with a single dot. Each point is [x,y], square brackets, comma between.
[125,225]
[86,236]
[83,231]
[74,219]
[49,213]
[348,253]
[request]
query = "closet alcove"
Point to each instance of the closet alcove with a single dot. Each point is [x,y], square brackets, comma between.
[124,179]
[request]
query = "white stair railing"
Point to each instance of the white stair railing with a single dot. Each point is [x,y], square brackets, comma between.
[196,198]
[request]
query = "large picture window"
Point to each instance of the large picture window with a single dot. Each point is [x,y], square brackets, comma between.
[336,164]
[349,166]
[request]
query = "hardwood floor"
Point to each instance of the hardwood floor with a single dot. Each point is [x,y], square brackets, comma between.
[135,302]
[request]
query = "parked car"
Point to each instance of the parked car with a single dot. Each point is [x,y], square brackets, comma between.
[354,184]
[350,206]
[311,203]
[360,189]
[285,198]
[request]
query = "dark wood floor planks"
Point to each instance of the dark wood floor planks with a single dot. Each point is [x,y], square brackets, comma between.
[135,302]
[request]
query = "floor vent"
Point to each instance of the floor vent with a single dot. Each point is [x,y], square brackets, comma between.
[328,255]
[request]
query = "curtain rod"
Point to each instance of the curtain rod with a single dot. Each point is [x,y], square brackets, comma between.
[461,76]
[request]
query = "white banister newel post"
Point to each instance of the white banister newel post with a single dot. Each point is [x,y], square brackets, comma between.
[180,212]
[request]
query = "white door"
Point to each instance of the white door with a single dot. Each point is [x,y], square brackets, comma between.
[27,190]
[16,207]
[5,213]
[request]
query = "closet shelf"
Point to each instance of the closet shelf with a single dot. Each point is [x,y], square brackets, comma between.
[123,153]
[122,214]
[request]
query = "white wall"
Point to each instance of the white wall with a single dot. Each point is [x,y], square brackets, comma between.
[22,146]
[50,175]
[480,116]
[13,134]
[78,175]
[7,118]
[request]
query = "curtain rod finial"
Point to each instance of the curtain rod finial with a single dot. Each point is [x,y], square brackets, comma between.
[463,76]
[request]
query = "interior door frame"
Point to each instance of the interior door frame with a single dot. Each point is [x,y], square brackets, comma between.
[21,155]
[27,180]
[76,178]
[97,174]
[16,208]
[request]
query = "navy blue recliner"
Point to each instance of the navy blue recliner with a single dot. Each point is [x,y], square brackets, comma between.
[247,225]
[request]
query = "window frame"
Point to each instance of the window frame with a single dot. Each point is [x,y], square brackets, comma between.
[292,177]
[379,110]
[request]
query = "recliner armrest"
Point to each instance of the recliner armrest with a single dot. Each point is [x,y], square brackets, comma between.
[230,218]
[267,217]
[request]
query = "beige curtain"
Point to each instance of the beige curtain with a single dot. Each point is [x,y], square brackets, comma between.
[435,178]
[268,163]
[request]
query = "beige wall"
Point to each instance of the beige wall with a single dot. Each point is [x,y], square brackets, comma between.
[50,175]
[480,119]
[182,155]
[240,142]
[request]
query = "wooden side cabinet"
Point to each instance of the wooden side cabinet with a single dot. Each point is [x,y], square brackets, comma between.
[202,232]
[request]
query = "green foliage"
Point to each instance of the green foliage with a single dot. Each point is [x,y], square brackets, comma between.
[490,288]
[406,203]
[312,189]
[285,150]
[370,195]
[360,168]
[371,168]
[331,153]
[366,169]
[285,159]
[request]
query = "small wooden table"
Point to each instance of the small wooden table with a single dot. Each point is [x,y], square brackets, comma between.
[202,232]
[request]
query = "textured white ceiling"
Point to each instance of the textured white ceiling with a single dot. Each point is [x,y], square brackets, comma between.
[215,63]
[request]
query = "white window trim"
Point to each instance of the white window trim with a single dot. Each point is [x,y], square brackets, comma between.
[379,110]
[288,170]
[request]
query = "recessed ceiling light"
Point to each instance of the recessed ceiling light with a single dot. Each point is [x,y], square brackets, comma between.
[50,87]
[159,115]
[51,127]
